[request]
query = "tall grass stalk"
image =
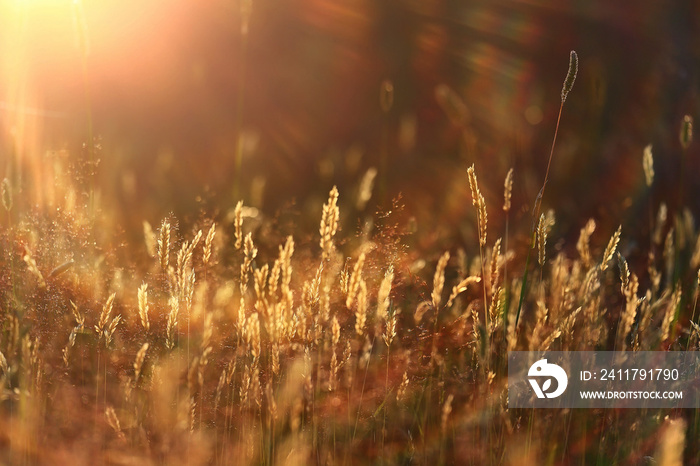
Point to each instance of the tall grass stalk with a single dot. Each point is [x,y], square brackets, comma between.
[480,203]
[507,195]
[568,84]
[245,12]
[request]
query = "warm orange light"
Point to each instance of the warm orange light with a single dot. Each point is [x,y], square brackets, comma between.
[53,51]
[45,44]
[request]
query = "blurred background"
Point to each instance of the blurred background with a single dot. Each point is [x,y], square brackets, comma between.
[170,91]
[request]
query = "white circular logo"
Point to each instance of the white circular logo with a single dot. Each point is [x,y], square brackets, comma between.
[542,369]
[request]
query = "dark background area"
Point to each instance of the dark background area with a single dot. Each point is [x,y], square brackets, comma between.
[165,81]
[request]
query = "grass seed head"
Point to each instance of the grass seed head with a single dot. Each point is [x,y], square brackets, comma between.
[648,165]
[541,240]
[496,307]
[461,287]
[483,220]
[164,245]
[403,386]
[446,410]
[150,239]
[329,223]
[3,364]
[113,421]
[611,248]
[390,330]
[672,444]
[670,313]
[6,194]
[171,326]
[383,294]
[624,272]
[439,280]
[354,281]
[507,190]
[32,267]
[238,224]
[364,192]
[361,310]
[473,185]
[630,311]
[570,75]
[686,135]
[138,362]
[208,244]
[143,306]
[495,264]
[335,332]
[104,316]
[583,244]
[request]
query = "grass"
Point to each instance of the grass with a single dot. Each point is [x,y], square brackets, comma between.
[226,341]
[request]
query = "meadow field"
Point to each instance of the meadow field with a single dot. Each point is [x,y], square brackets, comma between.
[272,291]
